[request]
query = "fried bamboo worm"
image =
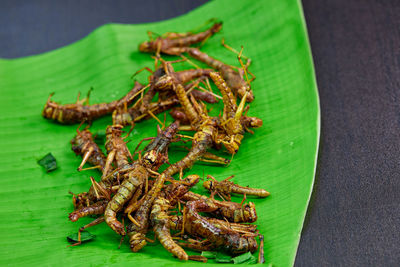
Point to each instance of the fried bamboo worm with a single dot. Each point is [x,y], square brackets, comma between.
[78,112]
[176,46]
[83,144]
[227,239]
[232,211]
[160,222]
[233,78]
[95,209]
[226,187]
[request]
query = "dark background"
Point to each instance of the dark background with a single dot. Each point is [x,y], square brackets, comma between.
[354,216]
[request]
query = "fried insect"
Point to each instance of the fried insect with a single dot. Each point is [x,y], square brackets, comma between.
[116,147]
[227,239]
[159,219]
[202,141]
[246,121]
[175,45]
[137,231]
[82,111]
[125,192]
[154,157]
[95,209]
[234,79]
[232,113]
[166,81]
[82,144]
[205,126]
[232,211]
[176,223]
[159,213]
[134,113]
[226,187]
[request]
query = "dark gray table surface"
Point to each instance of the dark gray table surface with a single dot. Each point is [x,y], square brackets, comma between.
[354,216]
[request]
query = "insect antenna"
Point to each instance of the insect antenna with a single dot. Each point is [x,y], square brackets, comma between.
[243,67]
[139,71]
[232,49]
[155,117]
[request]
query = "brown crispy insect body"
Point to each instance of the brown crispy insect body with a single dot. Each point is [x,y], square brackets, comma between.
[232,78]
[82,144]
[155,156]
[229,240]
[160,221]
[96,208]
[116,145]
[232,211]
[76,113]
[176,46]
[202,141]
[176,223]
[125,192]
[137,233]
[225,188]
[166,81]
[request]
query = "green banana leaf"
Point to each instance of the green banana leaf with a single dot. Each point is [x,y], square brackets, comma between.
[280,156]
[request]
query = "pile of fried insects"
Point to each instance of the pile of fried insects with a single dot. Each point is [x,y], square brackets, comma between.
[134,190]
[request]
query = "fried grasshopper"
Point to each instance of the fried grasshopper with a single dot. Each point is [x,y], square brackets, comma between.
[175,45]
[82,111]
[226,187]
[234,79]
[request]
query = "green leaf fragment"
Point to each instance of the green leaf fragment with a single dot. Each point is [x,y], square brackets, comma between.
[252,260]
[222,258]
[48,162]
[242,258]
[85,237]
[209,254]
